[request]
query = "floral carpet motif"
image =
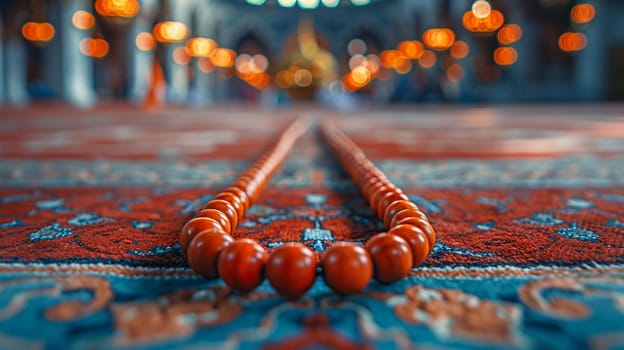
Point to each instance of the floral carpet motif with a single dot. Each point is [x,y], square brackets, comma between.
[530,252]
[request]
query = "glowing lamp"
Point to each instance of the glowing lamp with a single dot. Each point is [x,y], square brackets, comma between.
[94,47]
[223,58]
[117,8]
[505,56]
[509,34]
[200,47]
[83,20]
[391,58]
[439,38]
[481,8]
[411,49]
[170,31]
[571,42]
[38,31]
[582,13]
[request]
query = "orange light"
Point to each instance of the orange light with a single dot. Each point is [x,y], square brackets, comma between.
[200,47]
[285,79]
[180,56]
[391,58]
[491,23]
[460,50]
[455,72]
[170,31]
[361,76]
[117,8]
[145,41]
[582,13]
[411,49]
[428,59]
[403,65]
[439,38]
[258,80]
[571,42]
[94,47]
[509,34]
[223,57]
[505,56]
[83,20]
[38,31]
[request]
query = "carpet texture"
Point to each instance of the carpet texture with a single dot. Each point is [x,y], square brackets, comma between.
[528,204]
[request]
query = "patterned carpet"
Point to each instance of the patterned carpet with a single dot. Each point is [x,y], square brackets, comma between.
[528,203]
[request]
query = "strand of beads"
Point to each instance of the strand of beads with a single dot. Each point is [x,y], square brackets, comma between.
[410,236]
[243,263]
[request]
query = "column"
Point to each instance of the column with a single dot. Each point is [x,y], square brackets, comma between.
[77,69]
[589,67]
[177,75]
[16,80]
[140,62]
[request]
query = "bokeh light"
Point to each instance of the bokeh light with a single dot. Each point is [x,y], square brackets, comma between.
[117,8]
[509,34]
[412,49]
[287,3]
[302,77]
[460,50]
[83,20]
[180,55]
[94,47]
[145,41]
[428,59]
[224,58]
[571,41]
[38,31]
[582,13]
[308,4]
[505,56]
[170,31]
[200,47]
[331,3]
[481,8]
[491,23]
[356,46]
[438,38]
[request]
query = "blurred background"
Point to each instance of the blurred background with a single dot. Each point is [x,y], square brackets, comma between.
[342,53]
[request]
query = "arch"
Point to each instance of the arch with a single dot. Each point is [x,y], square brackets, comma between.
[247,25]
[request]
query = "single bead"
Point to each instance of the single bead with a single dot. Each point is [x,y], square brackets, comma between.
[395,207]
[407,213]
[241,265]
[347,268]
[193,227]
[424,226]
[226,208]
[391,255]
[386,199]
[416,239]
[218,216]
[382,191]
[291,270]
[240,194]
[203,252]
[234,200]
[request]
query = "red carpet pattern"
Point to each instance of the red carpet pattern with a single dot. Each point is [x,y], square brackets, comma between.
[529,213]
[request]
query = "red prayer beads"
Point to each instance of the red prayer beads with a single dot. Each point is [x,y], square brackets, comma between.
[291,268]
